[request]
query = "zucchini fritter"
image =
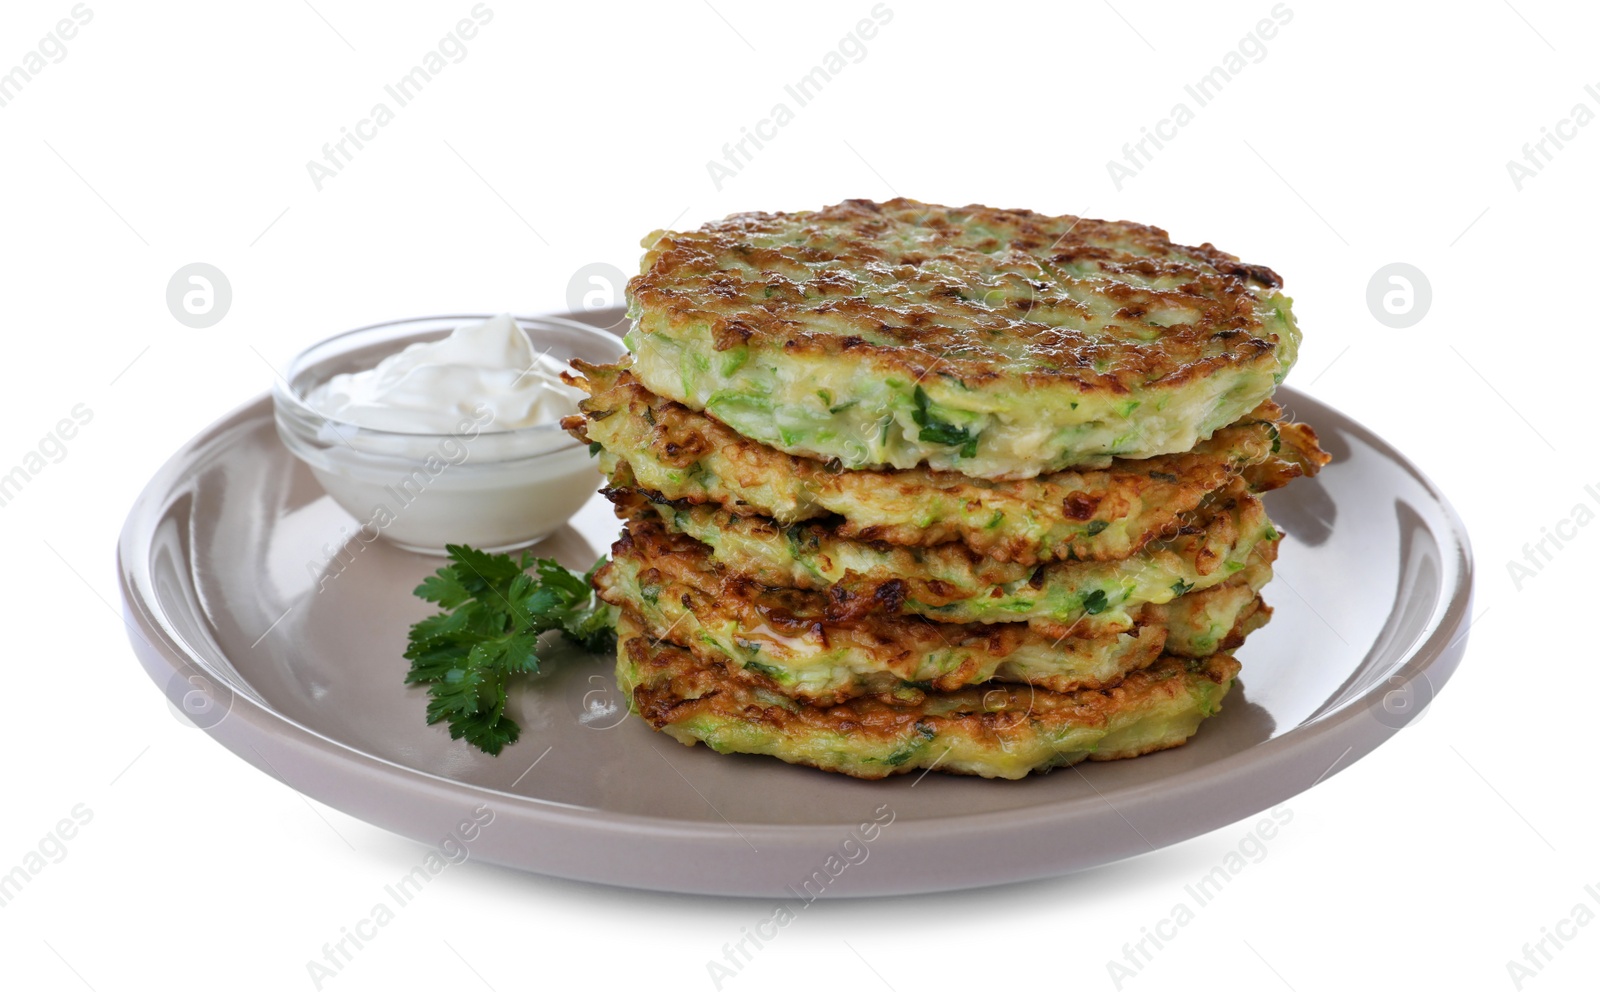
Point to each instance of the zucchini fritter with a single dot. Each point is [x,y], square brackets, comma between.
[994,343]
[953,584]
[1101,514]
[672,585]
[997,731]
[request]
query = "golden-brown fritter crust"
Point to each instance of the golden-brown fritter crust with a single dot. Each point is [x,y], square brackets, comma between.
[1230,532]
[1100,514]
[679,592]
[973,293]
[996,730]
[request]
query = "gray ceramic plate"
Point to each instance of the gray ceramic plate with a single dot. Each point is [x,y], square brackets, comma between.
[293,661]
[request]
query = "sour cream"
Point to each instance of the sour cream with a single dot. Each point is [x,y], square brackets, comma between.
[453,440]
[487,372]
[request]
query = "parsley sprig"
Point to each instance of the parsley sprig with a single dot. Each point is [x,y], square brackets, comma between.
[495,607]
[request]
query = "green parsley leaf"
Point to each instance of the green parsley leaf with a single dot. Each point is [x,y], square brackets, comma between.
[495,607]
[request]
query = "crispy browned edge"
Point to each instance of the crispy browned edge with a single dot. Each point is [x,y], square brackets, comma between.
[926,324]
[680,436]
[686,569]
[677,686]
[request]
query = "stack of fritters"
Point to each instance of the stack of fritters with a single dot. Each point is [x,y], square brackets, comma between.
[907,486]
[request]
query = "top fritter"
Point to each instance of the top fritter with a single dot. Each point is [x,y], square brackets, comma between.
[995,343]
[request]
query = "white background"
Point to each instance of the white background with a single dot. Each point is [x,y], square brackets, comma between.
[1369,133]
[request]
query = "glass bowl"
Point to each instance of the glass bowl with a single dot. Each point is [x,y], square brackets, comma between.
[493,489]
